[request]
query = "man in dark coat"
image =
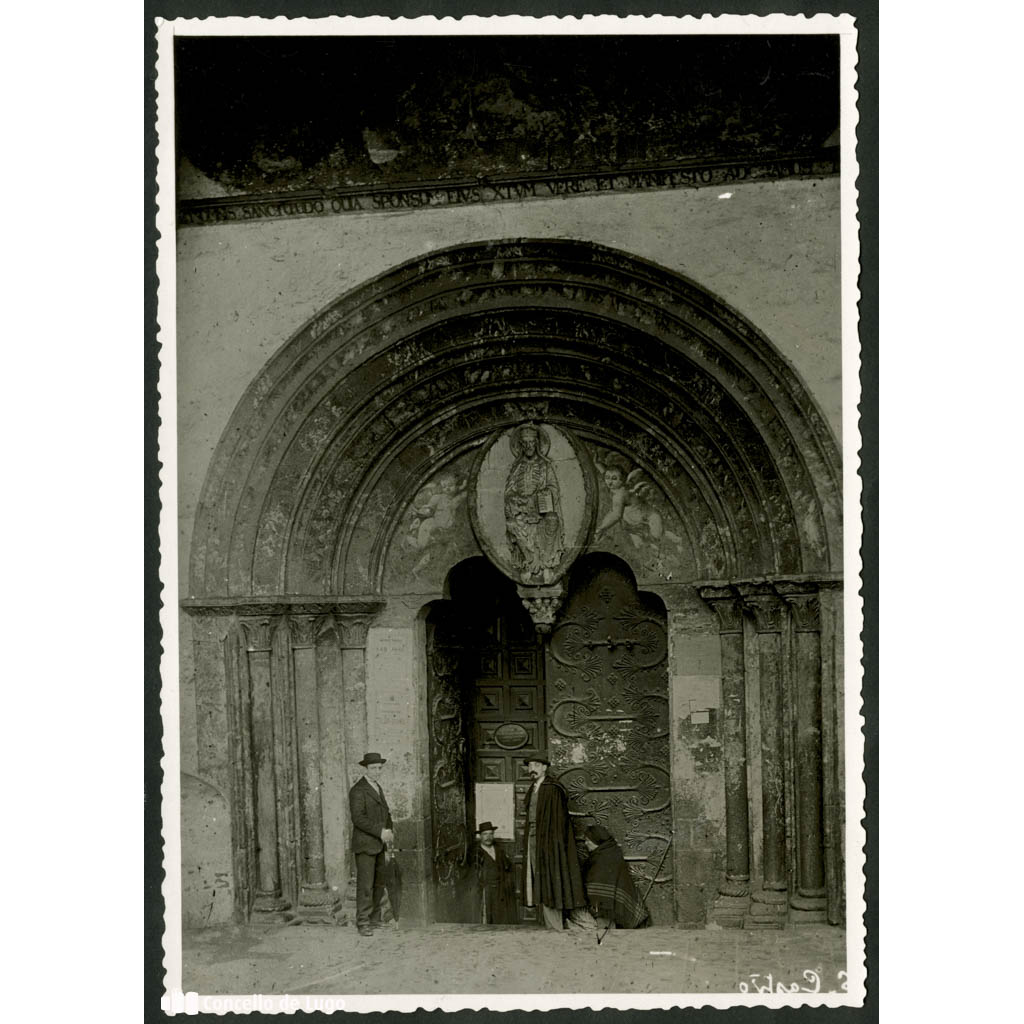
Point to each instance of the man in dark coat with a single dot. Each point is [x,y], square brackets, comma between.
[611,893]
[494,876]
[371,834]
[552,878]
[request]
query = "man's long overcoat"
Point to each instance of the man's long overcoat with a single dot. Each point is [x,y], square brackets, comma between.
[559,882]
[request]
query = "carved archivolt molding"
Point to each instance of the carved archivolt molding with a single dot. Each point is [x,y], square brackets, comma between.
[433,358]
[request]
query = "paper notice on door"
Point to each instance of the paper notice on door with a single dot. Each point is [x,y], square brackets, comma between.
[495,802]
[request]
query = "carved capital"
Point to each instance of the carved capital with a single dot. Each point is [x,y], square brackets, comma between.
[765,605]
[727,606]
[259,633]
[806,611]
[352,629]
[304,629]
[542,603]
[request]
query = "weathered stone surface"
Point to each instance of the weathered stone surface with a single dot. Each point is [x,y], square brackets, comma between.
[438,323]
[206,875]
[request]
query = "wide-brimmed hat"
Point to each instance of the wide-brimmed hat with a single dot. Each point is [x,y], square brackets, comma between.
[539,758]
[373,758]
[597,834]
[486,826]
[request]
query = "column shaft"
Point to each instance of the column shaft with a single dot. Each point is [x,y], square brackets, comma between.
[352,630]
[737,825]
[810,899]
[768,907]
[269,904]
[733,900]
[316,901]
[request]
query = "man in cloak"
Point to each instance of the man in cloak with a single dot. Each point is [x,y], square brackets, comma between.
[552,878]
[611,894]
[494,876]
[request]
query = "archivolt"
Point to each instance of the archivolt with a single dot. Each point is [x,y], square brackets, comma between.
[426,361]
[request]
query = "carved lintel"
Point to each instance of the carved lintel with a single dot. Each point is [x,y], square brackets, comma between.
[259,633]
[727,606]
[542,603]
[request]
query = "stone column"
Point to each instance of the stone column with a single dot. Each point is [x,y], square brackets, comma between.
[830,599]
[317,903]
[269,906]
[769,904]
[733,901]
[808,904]
[352,630]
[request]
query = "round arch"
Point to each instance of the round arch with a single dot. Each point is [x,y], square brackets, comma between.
[415,368]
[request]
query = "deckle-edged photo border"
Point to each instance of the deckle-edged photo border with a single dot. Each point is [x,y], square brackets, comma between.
[175,1000]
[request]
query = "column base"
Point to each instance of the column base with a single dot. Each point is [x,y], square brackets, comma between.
[319,905]
[730,911]
[270,909]
[732,904]
[808,909]
[768,909]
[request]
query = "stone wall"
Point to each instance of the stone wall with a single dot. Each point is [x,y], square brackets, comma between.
[770,250]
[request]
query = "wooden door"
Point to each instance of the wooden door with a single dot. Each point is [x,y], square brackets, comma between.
[487,712]
[509,720]
[607,695]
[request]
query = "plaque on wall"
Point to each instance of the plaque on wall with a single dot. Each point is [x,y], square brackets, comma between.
[495,802]
[532,504]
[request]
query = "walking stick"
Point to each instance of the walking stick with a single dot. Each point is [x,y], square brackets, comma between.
[650,886]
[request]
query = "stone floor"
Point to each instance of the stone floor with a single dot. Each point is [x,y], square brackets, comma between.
[469,959]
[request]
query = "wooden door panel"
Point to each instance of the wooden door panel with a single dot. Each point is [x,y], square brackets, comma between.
[607,699]
[486,683]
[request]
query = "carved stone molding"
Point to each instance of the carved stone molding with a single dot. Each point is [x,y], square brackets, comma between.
[727,607]
[542,603]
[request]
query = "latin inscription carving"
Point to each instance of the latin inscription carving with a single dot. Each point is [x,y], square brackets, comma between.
[206,211]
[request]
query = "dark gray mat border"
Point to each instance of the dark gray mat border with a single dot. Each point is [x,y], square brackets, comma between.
[866,14]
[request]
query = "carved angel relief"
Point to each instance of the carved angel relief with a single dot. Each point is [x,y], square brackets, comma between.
[636,520]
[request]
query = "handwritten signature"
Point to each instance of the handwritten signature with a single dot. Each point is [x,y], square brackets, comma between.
[766,983]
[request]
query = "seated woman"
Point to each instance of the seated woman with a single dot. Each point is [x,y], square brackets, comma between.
[610,890]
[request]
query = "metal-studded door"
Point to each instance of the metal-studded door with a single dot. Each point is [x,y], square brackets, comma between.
[609,725]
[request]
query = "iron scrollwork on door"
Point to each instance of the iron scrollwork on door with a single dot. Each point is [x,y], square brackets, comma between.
[609,719]
[634,641]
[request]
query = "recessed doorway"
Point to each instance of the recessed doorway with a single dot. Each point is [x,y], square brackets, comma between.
[487,706]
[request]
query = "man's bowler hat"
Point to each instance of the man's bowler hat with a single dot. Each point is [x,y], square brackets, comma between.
[373,758]
[486,826]
[539,758]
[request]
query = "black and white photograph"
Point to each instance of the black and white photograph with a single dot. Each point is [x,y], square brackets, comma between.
[510,513]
